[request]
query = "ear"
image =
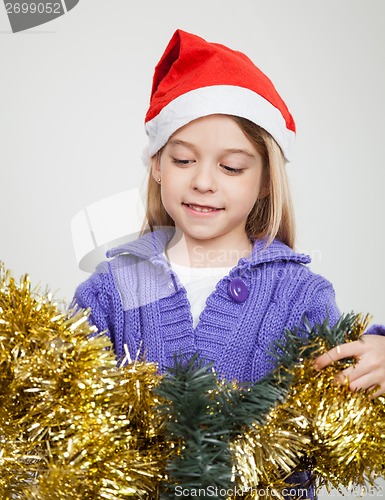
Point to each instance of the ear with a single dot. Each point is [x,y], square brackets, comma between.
[265,187]
[263,193]
[155,167]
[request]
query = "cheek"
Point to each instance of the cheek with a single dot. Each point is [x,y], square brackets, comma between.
[249,198]
[168,195]
[249,204]
[173,182]
[246,192]
[255,187]
[170,176]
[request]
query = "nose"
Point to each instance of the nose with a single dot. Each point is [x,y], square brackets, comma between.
[203,178]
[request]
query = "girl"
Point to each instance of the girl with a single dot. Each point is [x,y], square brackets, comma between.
[215,271]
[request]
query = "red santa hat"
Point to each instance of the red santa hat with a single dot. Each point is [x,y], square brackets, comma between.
[196,78]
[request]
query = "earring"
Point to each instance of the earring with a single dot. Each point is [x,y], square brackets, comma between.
[159,180]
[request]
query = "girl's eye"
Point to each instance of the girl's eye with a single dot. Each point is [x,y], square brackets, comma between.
[233,171]
[181,162]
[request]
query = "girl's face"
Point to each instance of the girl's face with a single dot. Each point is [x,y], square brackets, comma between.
[211,176]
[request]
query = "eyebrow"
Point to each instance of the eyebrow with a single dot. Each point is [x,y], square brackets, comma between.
[178,142]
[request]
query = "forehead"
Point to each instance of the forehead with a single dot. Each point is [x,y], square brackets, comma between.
[215,120]
[219,130]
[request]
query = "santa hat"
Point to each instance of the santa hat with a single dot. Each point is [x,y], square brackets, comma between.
[196,78]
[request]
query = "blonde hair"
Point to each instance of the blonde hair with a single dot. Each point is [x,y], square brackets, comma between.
[272,215]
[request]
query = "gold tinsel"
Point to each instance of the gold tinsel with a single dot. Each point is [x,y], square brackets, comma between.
[339,433]
[265,456]
[73,425]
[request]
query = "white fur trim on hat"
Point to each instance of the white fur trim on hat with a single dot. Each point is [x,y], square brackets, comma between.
[146,158]
[218,99]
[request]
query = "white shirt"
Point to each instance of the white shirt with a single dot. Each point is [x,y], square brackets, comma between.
[199,283]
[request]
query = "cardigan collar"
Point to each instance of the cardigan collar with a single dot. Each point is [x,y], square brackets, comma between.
[151,246]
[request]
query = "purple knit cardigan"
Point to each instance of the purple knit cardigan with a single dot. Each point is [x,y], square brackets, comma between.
[139,301]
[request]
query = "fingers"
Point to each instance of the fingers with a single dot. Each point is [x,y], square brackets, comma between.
[380,391]
[368,372]
[349,350]
[352,373]
[360,379]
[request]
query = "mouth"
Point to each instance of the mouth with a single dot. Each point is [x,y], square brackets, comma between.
[202,208]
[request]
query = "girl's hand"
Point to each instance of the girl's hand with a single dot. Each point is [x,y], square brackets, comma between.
[368,372]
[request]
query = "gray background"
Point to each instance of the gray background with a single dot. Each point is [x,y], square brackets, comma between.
[74,93]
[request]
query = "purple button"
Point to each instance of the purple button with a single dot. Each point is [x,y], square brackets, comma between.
[238,290]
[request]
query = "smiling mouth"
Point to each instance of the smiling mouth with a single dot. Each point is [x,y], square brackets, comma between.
[202,208]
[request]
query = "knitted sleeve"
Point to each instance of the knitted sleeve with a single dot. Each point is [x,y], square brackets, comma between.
[376,330]
[100,295]
[323,305]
